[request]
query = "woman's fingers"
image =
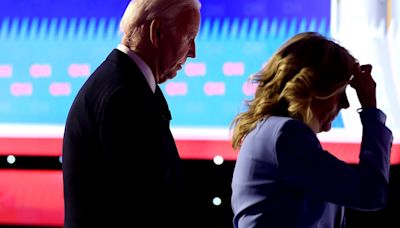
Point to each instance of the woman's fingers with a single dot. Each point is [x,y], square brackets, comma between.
[356,75]
[364,85]
[366,69]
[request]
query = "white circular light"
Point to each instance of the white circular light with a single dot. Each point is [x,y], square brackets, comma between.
[218,160]
[60,159]
[217,201]
[11,159]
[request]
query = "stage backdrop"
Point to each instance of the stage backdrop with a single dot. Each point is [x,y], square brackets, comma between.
[49,48]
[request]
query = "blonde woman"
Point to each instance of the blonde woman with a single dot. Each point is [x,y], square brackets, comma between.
[283,177]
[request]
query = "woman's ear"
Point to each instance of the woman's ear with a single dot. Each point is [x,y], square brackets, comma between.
[155,31]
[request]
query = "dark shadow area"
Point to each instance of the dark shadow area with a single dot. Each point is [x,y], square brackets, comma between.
[207,181]
[386,218]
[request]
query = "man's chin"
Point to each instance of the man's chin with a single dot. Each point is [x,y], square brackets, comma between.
[166,78]
[171,75]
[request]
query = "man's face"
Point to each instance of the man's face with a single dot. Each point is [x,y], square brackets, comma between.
[176,46]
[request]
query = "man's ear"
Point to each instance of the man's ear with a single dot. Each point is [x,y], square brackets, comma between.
[155,31]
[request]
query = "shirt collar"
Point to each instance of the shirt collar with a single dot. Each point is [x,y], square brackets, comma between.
[148,74]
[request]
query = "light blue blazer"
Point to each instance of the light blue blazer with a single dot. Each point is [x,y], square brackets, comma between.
[283,178]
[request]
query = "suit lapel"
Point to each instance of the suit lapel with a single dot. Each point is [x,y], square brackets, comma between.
[164,110]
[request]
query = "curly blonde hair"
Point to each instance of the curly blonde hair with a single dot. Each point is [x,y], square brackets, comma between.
[308,66]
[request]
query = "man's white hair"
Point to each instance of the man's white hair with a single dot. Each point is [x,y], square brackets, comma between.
[138,12]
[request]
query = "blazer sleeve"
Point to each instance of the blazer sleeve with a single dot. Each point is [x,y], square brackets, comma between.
[304,164]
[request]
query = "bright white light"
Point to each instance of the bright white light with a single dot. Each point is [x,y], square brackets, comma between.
[11,159]
[60,159]
[217,201]
[218,160]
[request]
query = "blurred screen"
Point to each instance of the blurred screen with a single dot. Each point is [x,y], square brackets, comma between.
[50,48]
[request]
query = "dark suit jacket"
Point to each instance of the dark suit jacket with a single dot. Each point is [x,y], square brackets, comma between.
[120,165]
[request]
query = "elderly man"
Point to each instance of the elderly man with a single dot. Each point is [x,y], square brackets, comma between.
[121,167]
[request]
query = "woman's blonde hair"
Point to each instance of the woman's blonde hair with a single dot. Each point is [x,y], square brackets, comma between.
[306,67]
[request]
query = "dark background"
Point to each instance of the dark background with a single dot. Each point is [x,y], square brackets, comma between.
[206,180]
